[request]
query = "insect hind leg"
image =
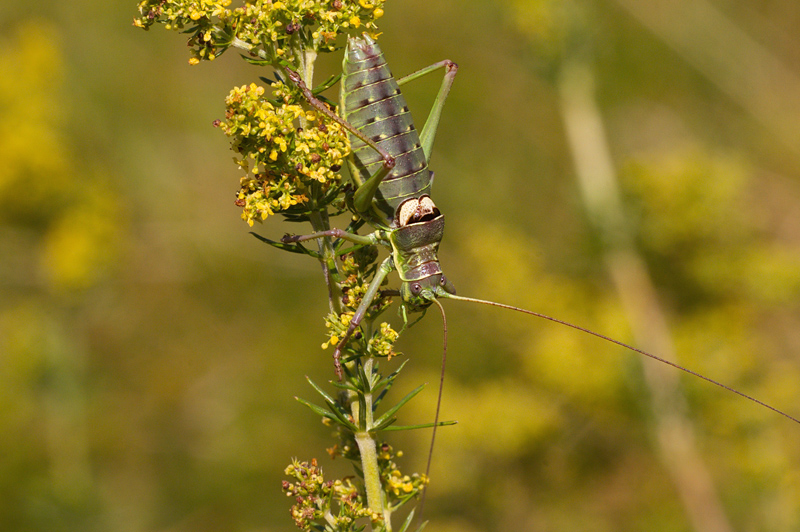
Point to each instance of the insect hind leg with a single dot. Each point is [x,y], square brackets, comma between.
[428,132]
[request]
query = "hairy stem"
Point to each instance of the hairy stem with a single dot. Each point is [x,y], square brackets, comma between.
[367,447]
[369,463]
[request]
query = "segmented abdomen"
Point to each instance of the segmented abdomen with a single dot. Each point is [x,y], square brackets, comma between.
[371,101]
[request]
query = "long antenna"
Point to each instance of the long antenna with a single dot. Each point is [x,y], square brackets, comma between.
[621,344]
[438,404]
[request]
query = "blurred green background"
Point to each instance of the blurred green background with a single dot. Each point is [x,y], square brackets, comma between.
[633,167]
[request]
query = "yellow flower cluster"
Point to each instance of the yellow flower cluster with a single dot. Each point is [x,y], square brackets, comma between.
[268,28]
[382,342]
[319,502]
[317,23]
[337,327]
[286,150]
[401,484]
[396,482]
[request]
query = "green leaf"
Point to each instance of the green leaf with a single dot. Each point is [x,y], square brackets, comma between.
[345,385]
[386,384]
[389,380]
[363,378]
[422,526]
[255,61]
[362,407]
[420,426]
[399,405]
[293,248]
[335,409]
[320,391]
[334,413]
[403,500]
[407,522]
[384,425]
[318,409]
[330,82]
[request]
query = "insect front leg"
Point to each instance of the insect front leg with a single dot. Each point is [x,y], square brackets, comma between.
[372,290]
[432,122]
[403,312]
[378,237]
[362,200]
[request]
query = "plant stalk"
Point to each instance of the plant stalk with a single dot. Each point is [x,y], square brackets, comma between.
[367,447]
[372,478]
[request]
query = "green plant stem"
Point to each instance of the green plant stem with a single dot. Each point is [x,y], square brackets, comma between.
[319,218]
[365,440]
[319,223]
[309,57]
[372,479]
[367,447]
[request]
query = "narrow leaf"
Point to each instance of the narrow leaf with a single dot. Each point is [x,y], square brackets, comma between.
[389,380]
[330,82]
[386,384]
[322,392]
[293,248]
[344,385]
[389,413]
[255,61]
[317,409]
[421,426]
[335,408]
[407,522]
[383,425]
[342,417]
[403,500]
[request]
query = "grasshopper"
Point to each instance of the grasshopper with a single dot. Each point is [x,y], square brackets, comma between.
[389,167]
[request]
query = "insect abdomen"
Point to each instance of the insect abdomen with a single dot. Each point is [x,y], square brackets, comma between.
[373,104]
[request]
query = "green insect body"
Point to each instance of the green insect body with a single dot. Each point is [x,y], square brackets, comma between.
[371,101]
[389,166]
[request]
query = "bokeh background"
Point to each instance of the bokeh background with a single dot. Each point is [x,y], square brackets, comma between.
[633,167]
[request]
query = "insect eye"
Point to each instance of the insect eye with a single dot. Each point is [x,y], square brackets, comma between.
[443,281]
[416,288]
